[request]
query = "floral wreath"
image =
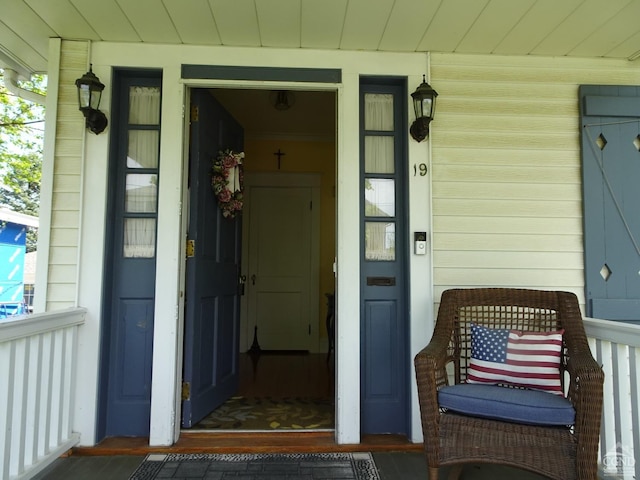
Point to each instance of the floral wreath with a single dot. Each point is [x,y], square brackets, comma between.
[227,182]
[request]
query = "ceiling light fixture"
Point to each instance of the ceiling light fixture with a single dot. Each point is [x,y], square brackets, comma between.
[282,99]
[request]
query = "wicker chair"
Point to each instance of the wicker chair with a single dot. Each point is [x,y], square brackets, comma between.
[452,439]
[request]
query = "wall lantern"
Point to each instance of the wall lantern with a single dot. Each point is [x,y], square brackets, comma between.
[89,93]
[424,104]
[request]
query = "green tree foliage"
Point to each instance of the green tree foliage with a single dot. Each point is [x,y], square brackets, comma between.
[21,139]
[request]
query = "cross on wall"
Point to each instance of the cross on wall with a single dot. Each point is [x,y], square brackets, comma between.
[279,155]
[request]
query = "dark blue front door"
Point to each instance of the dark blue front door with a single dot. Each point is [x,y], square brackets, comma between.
[383,318]
[212,301]
[130,262]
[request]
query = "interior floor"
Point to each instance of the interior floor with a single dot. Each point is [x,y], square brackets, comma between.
[271,382]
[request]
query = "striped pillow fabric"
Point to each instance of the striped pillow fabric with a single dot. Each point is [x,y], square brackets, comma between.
[513,357]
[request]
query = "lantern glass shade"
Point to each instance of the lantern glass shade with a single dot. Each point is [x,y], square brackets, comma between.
[423,107]
[89,94]
[424,100]
[89,91]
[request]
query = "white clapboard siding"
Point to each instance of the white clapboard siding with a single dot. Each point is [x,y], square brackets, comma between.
[506,169]
[67,180]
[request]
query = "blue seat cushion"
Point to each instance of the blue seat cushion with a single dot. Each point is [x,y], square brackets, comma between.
[516,405]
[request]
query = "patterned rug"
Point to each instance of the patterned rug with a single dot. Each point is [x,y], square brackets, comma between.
[243,413]
[312,466]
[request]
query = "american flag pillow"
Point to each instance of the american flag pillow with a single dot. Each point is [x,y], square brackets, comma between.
[523,359]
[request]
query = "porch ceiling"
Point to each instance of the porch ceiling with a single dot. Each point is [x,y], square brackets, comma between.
[581,28]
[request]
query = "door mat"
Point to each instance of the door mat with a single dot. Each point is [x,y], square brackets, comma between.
[266,413]
[249,466]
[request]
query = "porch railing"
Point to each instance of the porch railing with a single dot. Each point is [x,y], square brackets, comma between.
[616,346]
[37,378]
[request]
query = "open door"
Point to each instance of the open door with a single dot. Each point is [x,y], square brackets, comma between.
[213,266]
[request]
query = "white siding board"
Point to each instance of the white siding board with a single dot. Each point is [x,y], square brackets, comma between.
[508,123]
[66,183]
[69,165]
[60,291]
[460,155]
[63,256]
[64,237]
[506,225]
[481,242]
[519,277]
[506,191]
[508,207]
[66,201]
[506,260]
[62,273]
[64,219]
[505,174]
[68,147]
[506,169]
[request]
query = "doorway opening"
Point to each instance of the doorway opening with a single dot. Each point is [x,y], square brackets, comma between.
[286,366]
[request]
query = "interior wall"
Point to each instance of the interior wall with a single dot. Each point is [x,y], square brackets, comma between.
[305,157]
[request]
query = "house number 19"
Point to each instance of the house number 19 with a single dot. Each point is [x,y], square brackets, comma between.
[419,169]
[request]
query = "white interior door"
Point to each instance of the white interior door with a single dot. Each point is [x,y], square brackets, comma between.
[282,273]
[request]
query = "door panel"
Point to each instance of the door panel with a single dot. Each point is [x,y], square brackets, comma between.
[611,175]
[384,321]
[212,301]
[130,263]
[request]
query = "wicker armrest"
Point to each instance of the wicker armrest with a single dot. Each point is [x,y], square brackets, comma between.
[430,364]
[585,387]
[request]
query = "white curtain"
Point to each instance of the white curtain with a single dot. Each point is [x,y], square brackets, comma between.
[378,111]
[378,149]
[141,189]
[379,192]
[139,237]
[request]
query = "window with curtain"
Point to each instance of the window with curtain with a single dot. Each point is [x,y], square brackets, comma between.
[379,184]
[141,178]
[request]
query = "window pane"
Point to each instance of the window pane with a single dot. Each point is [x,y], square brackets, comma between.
[380,241]
[143,149]
[378,112]
[378,154]
[141,192]
[144,105]
[139,237]
[379,195]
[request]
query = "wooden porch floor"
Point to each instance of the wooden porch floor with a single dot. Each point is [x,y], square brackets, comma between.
[270,375]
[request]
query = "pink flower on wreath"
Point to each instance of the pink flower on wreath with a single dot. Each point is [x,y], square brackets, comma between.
[224,195]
